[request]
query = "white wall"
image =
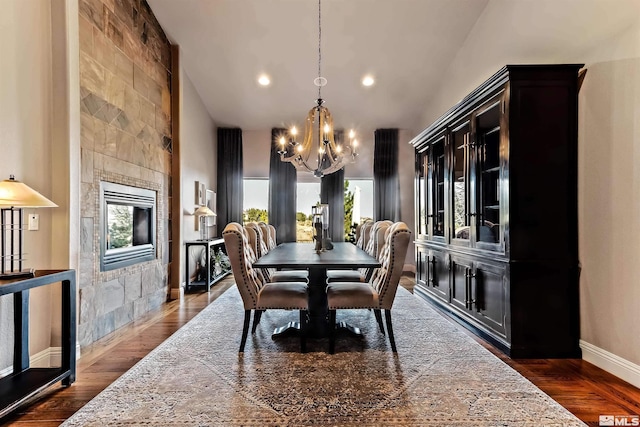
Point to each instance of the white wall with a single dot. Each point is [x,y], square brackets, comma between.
[609,149]
[198,157]
[609,197]
[26,115]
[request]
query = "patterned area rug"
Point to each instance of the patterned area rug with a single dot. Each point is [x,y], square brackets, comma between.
[439,377]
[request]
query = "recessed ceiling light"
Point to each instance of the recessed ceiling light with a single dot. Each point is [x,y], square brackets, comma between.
[264,80]
[367,81]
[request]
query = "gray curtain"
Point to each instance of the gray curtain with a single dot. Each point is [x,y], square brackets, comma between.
[386,185]
[332,192]
[283,183]
[230,177]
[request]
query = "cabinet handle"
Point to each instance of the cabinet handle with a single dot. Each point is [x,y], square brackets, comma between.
[468,303]
[432,278]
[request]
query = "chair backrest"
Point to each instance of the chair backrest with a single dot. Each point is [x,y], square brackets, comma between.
[266,235]
[364,234]
[248,279]
[256,239]
[376,237]
[392,256]
[272,237]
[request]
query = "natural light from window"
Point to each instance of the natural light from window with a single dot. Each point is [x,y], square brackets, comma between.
[256,202]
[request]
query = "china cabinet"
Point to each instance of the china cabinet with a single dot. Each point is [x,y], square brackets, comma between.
[496,211]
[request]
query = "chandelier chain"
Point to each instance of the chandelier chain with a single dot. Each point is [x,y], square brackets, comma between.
[319,48]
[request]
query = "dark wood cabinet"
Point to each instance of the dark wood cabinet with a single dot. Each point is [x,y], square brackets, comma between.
[496,211]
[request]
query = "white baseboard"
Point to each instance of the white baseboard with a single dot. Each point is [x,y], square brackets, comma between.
[51,356]
[616,365]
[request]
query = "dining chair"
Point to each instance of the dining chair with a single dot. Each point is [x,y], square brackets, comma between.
[374,247]
[268,234]
[257,293]
[377,294]
[363,239]
[255,235]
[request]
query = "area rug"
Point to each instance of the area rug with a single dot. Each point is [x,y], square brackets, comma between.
[439,377]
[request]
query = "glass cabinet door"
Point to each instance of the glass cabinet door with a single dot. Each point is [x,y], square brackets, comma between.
[487,164]
[460,170]
[421,195]
[436,188]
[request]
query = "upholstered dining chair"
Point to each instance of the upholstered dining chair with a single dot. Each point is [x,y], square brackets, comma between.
[380,292]
[257,293]
[374,247]
[363,239]
[255,235]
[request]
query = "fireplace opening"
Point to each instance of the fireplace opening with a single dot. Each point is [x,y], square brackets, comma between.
[127,225]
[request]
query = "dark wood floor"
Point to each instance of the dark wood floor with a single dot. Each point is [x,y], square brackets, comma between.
[582,388]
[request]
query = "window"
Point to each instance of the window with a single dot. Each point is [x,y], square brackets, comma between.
[255,203]
[307,195]
[362,190]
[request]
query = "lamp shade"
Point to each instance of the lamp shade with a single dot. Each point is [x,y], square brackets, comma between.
[204,211]
[16,194]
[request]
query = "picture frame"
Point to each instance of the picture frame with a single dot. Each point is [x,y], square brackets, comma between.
[200,198]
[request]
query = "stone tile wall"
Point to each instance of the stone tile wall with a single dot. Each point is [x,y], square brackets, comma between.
[125,62]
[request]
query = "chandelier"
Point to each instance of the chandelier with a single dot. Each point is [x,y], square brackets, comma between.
[318,142]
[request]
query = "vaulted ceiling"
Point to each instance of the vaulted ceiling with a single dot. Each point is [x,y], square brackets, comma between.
[406,45]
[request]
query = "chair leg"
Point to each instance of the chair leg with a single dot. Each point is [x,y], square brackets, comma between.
[257,315]
[303,331]
[245,329]
[378,314]
[332,331]
[387,315]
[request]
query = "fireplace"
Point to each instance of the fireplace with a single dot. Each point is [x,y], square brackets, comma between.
[127,225]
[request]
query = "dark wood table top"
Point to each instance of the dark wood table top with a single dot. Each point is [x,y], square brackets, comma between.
[302,255]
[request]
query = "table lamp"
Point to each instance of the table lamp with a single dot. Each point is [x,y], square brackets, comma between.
[202,213]
[14,196]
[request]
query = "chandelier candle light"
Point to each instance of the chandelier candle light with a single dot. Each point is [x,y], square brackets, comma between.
[318,139]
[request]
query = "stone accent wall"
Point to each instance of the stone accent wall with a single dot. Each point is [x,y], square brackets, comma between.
[125,62]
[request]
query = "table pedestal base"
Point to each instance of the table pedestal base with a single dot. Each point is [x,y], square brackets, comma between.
[291,328]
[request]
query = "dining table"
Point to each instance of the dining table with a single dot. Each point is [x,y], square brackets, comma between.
[296,255]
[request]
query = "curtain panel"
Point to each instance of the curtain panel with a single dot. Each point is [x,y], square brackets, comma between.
[283,183]
[332,193]
[386,185]
[230,177]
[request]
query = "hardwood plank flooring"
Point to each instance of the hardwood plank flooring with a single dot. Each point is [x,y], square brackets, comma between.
[579,386]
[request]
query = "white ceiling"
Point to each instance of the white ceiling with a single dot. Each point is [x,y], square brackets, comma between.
[407,45]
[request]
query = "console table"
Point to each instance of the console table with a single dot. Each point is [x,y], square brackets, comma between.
[25,382]
[209,279]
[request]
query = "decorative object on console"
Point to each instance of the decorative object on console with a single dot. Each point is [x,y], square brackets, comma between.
[14,196]
[318,139]
[201,215]
[320,220]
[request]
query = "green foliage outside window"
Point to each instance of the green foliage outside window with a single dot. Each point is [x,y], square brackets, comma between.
[348,209]
[255,215]
[120,226]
